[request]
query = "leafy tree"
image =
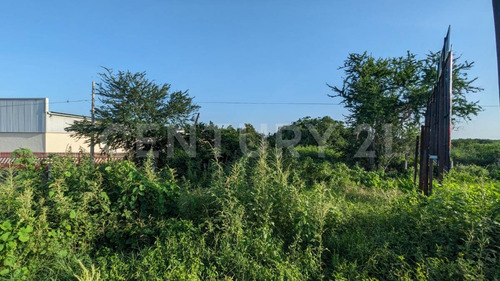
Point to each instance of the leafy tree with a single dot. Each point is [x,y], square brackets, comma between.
[133,109]
[389,96]
[462,85]
[225,144]
[313,129]
[313,132]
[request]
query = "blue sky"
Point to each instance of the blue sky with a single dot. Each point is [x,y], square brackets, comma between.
[243,51]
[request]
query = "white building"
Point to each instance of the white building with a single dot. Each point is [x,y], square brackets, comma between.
[28,123]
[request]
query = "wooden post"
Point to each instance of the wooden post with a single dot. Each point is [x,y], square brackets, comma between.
[430,175]
[415,161]
[406,160]
[92,140]
[422,179]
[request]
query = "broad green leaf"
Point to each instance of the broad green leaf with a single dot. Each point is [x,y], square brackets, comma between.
[72,214]
[9,261]
[62,253]
[23,236]
[5,236]
[29,228]
[104,195]
[6,225]
[11,245]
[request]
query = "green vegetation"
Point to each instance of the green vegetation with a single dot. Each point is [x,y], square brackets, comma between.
[482,155]
[387,97]
[231,204]
[135,114]
[476,151]
[270,217]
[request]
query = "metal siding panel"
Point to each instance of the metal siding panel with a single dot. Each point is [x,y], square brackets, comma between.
[22,115]
[40,116]
[3,116]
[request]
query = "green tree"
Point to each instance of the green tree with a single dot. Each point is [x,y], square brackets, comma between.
[213,143]
[312,133]
[388,96]
[133,109]
[462,85]
[315,130]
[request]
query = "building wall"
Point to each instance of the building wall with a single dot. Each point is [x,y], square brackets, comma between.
[58,140]
[23,115]
[56,123]
[22,124]
[28,123]
[12,141]
[63,142]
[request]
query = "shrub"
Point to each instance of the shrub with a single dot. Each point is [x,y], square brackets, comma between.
[263,218]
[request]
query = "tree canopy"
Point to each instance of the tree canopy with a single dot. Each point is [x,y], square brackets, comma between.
[133,108]
[389,96]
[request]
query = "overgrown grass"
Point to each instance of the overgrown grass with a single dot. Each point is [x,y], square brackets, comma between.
[265,218]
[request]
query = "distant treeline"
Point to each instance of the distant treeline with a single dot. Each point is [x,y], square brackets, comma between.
[481,152]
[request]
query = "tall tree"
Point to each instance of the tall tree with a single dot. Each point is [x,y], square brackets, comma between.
[462,85]
[388,96]
[321,131]
[134,108]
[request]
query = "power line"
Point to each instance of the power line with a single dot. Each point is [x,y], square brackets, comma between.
[39,102]
[219,102]
[295,103]
[268,103]
[68,101]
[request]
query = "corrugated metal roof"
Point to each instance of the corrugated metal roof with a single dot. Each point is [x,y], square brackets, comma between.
[67,114]
[22,115]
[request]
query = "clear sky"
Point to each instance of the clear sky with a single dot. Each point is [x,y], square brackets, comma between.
[235,51]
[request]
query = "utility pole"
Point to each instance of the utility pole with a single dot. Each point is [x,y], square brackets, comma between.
[92,120]
[196,121]
[496,17]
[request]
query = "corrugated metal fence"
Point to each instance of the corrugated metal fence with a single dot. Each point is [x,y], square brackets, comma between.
[6,160]
[435,137]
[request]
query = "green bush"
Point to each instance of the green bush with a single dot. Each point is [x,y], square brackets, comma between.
[265,218]
[475,152]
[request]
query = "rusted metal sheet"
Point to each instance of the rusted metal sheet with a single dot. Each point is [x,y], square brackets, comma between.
[415,162]
[435,135]
[6,160]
